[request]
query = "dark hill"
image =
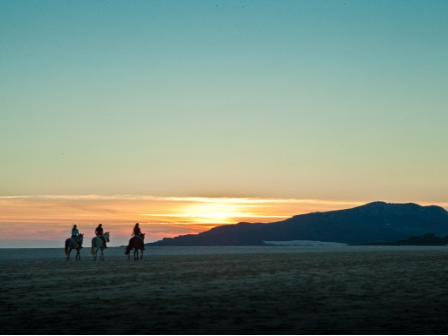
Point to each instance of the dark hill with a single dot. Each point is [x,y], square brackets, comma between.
[373,222]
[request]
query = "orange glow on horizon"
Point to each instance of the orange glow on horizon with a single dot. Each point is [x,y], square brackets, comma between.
[48,217]
[225,211]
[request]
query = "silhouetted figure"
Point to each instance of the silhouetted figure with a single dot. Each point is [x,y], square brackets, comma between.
[99,233]
[135,243]
[75,235]
[138,232]
[74,243]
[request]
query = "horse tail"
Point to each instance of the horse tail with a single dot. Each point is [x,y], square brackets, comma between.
[128,250]
[66,247]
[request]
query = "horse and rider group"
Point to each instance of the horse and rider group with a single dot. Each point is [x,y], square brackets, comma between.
[100,241]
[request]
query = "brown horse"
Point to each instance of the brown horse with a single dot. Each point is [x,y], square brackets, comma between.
[135,243]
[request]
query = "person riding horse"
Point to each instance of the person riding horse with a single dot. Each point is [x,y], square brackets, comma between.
[138,232]
[99,233]
[75,235]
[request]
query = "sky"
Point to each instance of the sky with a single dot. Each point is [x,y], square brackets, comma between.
[213,112]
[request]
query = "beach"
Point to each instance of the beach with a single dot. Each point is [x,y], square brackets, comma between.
[227,290]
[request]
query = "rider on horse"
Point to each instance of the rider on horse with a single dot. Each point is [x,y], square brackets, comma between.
[99,233]
[138,232]
[75,235]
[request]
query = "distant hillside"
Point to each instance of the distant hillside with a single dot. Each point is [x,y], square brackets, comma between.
[373,222]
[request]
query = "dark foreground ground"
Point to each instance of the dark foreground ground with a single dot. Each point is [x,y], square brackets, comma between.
[359,291]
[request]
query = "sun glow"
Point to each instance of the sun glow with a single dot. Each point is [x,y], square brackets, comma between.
[215,211]
[50,217]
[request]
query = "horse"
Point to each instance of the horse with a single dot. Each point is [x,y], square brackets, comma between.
[97,243]
[135,243]
[72,244]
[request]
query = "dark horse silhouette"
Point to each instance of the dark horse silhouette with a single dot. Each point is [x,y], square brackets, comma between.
[72,244]
[135,243]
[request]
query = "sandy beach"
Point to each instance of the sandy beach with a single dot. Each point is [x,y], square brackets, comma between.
[227,290]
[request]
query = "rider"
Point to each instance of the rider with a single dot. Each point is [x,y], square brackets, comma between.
[99,233]
[75,235]
[138,232]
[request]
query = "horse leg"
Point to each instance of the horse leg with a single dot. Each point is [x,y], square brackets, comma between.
[102,254]
[68,254]
[142,255]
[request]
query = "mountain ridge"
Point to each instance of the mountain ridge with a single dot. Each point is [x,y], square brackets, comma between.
[372,222]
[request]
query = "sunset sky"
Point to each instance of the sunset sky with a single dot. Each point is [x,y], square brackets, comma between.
[184,115]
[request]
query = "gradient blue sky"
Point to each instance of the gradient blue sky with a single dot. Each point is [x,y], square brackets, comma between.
[332,100]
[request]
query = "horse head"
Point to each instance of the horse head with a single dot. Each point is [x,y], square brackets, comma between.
[106,236]
[143,236]
[81,237]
